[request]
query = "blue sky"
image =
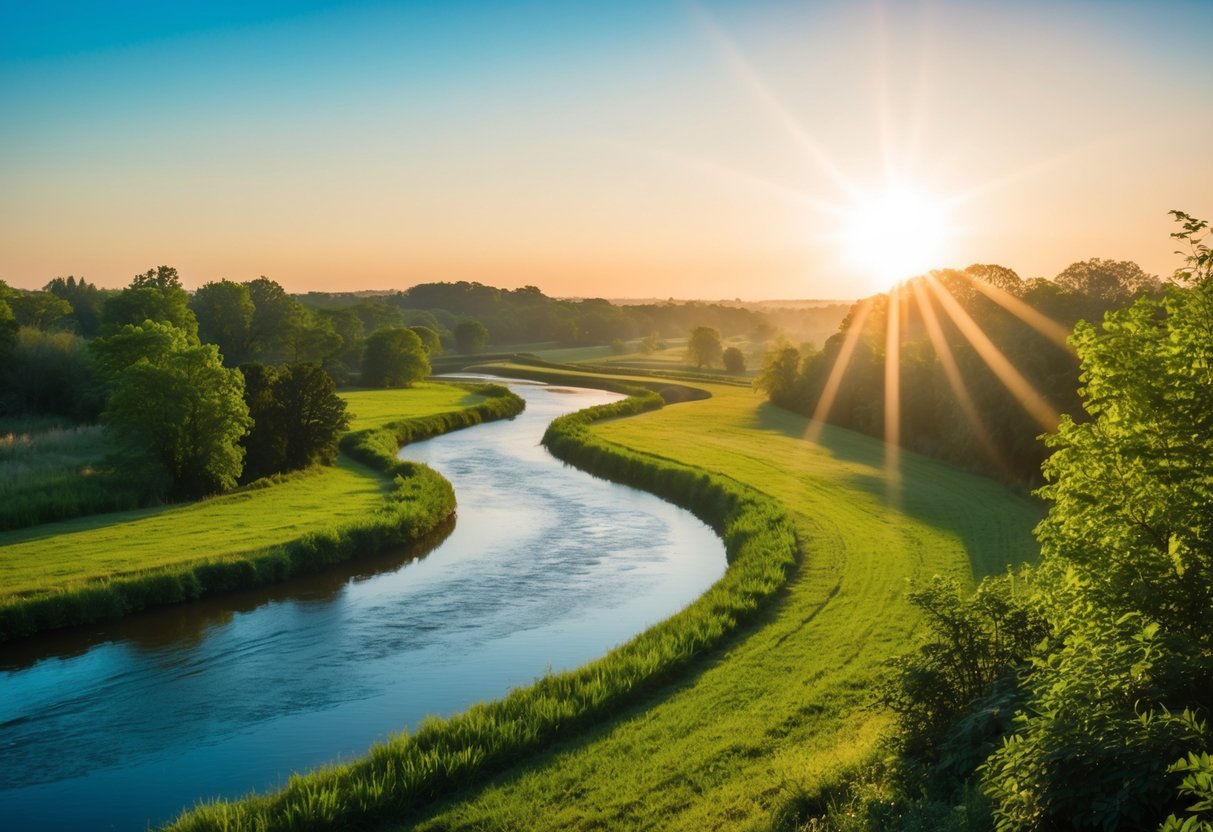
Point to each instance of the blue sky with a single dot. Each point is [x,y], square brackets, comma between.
[614,148]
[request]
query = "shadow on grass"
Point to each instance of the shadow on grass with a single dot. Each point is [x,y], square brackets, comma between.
[189,623]
[928,490]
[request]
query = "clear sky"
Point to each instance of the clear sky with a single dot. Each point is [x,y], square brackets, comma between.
[619,149]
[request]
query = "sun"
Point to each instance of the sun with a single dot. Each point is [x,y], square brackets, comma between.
[894,235]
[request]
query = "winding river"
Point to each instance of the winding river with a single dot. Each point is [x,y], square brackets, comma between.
[546,567]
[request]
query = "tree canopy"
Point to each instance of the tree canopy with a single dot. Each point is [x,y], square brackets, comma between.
[176,412]
[394,357]
[703,348]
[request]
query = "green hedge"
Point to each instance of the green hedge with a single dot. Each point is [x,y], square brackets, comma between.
[409,771]
[419,501]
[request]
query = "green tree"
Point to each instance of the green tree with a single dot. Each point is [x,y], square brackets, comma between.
[1111,281]
[275,317]
[1127,553]
[778,376]
[155,295]
[297,418]
[8,323]
[86,301]
[999,276]
[41,310]
[177,417]
[393,357]
[224,310]
[51,373]
[470,337]
[703,348]
[429,340]
[734,360]
[149,341]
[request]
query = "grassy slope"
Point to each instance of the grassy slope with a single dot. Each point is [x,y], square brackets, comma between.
[58,554]
[783,705]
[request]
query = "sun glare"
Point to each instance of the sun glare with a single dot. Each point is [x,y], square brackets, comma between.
[895,235]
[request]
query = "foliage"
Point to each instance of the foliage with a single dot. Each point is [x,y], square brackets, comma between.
[734,360]
[777,378]
[50,373]
[1113,281]
[429,340]
[973,644]
[393,357]
[40,310]
[1198,258]
[86,302]
[1197,783]
[703,347]
[470,336]
[177,418]
[1106,717]
[155,295]
[1132,487]
[225,318]
[297,419]
[983,427]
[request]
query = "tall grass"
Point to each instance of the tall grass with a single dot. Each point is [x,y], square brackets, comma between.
[50,471]
[418,502]
[409,771]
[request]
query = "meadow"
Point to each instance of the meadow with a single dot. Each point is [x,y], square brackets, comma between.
[759,689]
[102,566]
[786,707]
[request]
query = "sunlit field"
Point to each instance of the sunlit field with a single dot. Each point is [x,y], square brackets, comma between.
[57,555]
[786,705]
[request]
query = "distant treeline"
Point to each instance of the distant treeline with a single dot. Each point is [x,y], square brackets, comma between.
[46,368]
[983,365]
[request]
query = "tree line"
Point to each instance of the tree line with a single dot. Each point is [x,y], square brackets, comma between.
[957,332]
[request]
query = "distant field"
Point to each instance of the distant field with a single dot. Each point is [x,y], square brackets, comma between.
[54,555]
[374,408]
[786,704]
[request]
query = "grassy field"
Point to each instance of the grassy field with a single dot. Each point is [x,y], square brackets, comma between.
[53,556]
[786,704]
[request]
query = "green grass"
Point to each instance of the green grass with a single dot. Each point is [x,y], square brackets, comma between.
[51,470]
[444,753]
[696,724]
[107,565]
[376,408]
[785,706]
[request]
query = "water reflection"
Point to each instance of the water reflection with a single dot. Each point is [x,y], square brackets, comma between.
[182,626]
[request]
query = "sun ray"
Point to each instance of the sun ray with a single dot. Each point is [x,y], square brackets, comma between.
[746,73]
[1040,322]
[825,402]
[892,394]
[1029,399]
[715,168]
[952,373]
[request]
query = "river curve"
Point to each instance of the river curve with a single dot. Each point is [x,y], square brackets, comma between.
[122,726]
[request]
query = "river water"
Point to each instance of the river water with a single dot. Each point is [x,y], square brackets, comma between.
[122,726]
